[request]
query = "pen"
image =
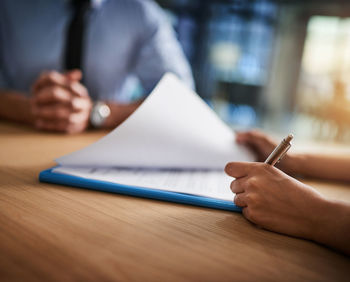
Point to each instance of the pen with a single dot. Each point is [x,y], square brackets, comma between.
[279,152]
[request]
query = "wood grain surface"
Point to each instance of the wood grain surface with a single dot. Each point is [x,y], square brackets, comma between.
[56,233]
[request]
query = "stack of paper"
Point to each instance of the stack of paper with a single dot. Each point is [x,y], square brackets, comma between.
[172,142]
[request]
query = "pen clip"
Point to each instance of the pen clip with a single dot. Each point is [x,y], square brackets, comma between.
[279,152]
[283,153]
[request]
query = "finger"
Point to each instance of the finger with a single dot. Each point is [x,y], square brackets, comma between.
[237,186]
[241,136]
[76,128]
[255,137]
[246,213]
[247,135]
[53,112]
[39,81]
[61,112]
[262,140]
[78,89]
[53,94]
[80,104]
[238,169]
[58,95]
[239,200]
[50,77]
[79,118]
[65,81]
[258,142]
[49,125]
[75,74]
[61,126]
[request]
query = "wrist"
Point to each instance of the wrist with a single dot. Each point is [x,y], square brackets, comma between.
[323,227]
[99,114]
[112,118]
[15,100]
[115,111]
[119,113]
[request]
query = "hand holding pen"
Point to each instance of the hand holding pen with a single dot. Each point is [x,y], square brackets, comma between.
[269,197]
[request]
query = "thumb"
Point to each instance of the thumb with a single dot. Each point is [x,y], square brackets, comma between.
[75,74]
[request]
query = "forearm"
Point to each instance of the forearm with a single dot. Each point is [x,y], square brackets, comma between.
[15,106]
[333,225]
[322,166]
[120,112]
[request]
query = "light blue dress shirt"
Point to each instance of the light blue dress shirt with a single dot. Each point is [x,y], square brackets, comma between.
[126,40]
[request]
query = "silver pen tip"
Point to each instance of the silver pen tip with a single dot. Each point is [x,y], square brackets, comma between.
[289,137]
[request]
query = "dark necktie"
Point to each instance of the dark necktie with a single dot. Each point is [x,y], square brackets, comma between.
[75,35]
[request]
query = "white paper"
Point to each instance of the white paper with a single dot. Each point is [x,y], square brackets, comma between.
[173,128]
[213,184]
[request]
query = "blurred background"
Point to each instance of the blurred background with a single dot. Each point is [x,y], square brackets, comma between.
[279,65]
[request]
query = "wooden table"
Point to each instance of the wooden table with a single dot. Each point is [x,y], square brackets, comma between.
[55,233]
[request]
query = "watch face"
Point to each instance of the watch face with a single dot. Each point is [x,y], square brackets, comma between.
[99,113]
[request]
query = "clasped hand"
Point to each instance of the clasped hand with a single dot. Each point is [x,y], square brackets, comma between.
[60,102]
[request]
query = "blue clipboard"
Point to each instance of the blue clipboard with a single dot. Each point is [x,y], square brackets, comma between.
[69,180]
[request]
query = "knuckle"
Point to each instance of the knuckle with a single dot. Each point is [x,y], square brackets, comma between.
[251,199]
[248,198]
[232,186]
[82,90]
[256,201]
[236,199]
[73,103]
[51,75]
[253,182]
[251,214]
[246,212]
[235,184]
[56,91]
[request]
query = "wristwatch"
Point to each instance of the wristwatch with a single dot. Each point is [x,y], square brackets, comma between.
[99,113]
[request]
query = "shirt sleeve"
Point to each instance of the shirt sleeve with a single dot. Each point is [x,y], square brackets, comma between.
[159,51]
[3,81]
